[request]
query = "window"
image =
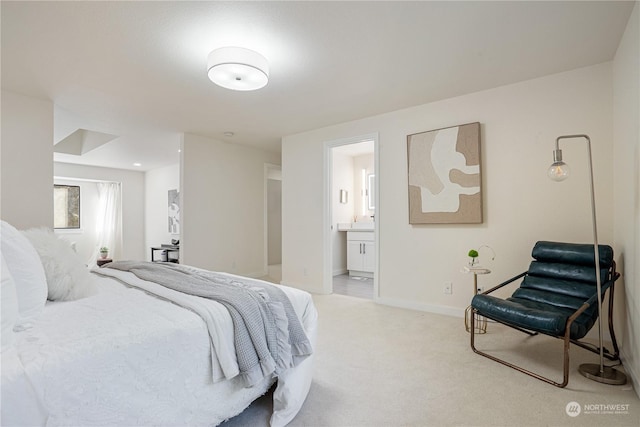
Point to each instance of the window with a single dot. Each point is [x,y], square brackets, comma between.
[66,206]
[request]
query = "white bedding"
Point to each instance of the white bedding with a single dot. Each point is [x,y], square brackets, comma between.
[123,357]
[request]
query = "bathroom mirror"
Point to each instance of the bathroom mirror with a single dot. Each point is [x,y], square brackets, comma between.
[371,182]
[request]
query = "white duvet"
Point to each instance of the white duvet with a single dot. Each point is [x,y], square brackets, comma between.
[123,357]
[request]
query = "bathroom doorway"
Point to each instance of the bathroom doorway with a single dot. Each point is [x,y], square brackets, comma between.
[273,222]
[351,246]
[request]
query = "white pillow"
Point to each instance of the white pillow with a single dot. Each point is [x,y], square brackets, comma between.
[67,276]
[27,272]
[9,306]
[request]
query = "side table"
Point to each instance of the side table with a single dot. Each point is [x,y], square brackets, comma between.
[167,254]
[481,321]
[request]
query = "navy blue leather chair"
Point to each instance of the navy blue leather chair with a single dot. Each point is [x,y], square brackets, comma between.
[556,297]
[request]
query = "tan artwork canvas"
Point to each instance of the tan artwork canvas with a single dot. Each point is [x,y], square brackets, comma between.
[444,176]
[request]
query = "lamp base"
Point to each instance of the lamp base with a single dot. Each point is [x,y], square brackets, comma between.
[607,376]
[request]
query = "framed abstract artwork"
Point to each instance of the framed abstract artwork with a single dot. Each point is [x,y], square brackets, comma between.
[444,176]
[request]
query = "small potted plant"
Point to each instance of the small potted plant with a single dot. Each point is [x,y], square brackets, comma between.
[473,254]
[104,252]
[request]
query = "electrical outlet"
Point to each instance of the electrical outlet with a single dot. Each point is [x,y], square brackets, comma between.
[305,271]
[448,288]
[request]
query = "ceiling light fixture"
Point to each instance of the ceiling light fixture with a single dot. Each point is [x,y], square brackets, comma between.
[237,68]
[229,134]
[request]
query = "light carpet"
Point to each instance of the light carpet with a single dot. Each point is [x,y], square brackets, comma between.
[385,366]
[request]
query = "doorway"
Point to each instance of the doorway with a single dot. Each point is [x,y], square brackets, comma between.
[273,222]
[351,217]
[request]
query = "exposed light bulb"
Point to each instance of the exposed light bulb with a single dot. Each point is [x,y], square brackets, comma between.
[559,170]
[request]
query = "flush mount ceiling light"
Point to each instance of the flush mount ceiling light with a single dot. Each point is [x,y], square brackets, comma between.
[237,68]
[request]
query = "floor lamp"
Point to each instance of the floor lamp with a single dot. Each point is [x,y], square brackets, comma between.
[559,171]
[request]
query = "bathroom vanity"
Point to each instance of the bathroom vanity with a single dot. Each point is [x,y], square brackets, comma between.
[361,249]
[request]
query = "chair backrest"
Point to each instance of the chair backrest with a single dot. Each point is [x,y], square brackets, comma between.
[572,261]
[563,275]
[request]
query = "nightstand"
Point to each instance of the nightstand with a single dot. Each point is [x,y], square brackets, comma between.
[168,253]
[103,261]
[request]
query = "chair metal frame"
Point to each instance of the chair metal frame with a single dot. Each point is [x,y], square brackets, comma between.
[566,338]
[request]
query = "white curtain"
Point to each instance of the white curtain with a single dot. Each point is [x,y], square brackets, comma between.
[108,221]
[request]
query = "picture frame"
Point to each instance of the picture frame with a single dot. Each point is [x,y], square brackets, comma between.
[66,207]
[444,176]
[173,208]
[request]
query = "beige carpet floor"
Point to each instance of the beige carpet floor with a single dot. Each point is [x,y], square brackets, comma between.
[384,366]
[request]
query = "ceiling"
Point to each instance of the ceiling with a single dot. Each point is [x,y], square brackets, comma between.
[137,70]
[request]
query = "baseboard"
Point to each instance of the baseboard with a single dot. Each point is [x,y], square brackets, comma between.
[355,273]
[430,308]
[632,375]
[340,271]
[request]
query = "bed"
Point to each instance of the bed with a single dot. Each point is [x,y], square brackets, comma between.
[131,353]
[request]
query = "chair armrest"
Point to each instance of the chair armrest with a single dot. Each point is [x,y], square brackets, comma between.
[590,300]
[513,279]
[579,311]
[609,283]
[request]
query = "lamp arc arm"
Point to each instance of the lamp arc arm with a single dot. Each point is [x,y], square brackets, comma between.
[580,135]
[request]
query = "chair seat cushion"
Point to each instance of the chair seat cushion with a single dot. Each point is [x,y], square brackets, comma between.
[532,315]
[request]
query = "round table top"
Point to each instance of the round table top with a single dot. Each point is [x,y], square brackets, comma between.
[476,269]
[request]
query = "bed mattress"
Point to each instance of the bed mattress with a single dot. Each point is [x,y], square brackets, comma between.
[124,357]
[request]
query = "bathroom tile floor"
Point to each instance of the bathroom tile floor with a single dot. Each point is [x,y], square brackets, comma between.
[353,286]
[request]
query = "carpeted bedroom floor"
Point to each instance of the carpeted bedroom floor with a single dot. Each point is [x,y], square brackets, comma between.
[385,366]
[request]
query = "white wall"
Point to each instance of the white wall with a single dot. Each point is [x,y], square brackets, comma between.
[27,161]
[519,125]
[626,137]
[157,184]
[85,238]
[222,191]
[133,242]
[274,221]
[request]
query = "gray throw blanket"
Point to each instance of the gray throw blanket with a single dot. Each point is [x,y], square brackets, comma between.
[268,335]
